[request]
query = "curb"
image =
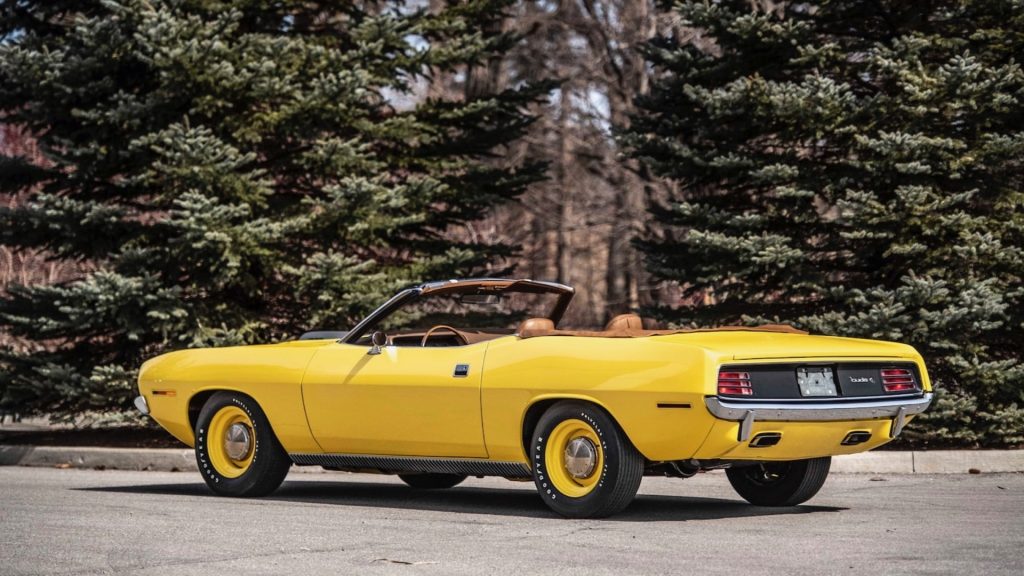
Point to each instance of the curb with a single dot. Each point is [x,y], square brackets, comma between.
[931,462]
[183,460]
[160,459]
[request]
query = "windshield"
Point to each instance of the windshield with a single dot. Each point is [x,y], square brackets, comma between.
[482,312]
[476,312]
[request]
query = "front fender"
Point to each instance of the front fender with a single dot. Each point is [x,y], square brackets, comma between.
[270,375]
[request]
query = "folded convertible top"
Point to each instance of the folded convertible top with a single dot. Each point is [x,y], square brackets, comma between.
[640,333]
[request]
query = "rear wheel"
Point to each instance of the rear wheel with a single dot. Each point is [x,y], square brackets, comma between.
[780,483]
[237,452]
[583,464]
[427,481]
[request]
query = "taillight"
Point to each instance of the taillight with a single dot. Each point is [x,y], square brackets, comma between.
[898,380]
[735,384]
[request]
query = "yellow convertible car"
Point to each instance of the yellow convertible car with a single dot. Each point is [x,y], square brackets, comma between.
[474,378]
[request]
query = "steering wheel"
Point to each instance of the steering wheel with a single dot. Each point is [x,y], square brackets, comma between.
[423,342]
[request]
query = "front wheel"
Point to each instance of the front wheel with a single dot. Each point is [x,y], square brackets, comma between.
[780,483]
[584,466]
[237,452]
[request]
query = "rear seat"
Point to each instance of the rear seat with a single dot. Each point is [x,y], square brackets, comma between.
[631,326]
[623,325]
[625,322]
[535,326]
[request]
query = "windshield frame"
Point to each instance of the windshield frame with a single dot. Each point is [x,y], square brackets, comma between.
[409,295]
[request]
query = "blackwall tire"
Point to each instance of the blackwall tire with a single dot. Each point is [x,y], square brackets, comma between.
[780,483]
[249,463]
[577,485]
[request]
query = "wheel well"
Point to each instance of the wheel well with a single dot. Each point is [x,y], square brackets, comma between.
[533,414]
[537,409]
[196,403]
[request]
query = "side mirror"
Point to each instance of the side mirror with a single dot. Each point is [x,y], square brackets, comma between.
[378,339]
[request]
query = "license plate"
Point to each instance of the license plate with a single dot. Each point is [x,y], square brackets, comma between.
[816,381]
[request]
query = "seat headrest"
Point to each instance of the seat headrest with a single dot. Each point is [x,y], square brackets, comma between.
[625,322]
[535,325]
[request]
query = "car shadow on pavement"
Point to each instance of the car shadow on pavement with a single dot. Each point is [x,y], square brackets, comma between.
[473,500]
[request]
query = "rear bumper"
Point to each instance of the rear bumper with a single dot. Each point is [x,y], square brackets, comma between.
[814,411]
[748,412]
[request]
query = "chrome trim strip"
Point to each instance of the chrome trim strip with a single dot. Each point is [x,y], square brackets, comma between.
[141,405]
[837,400]
[401,464]
[746,426]
[823,411]
[382,310]
[898,422]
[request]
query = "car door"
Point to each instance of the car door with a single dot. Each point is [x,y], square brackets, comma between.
[405,401]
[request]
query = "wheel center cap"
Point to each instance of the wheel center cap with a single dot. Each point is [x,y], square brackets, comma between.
[580,457]
[237,441]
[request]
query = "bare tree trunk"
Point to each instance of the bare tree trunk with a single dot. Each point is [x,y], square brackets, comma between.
[624,273]
[565,187]
[579,225]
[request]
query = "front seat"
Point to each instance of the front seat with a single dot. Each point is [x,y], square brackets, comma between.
[535,325]
[624,322]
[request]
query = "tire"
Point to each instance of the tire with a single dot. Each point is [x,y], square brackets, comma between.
[780,483]
[265,464]
[598,486]
[427,481]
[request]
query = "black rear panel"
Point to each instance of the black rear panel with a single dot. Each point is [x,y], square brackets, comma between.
[853,379]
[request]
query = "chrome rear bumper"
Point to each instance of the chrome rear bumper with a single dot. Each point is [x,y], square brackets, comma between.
[747,411]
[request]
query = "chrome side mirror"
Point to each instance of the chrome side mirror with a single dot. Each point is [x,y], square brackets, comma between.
[378,339]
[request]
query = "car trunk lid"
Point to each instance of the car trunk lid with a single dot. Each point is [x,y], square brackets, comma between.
[771,345]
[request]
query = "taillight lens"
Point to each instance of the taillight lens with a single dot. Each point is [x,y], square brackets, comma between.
[735,384]
[898,380]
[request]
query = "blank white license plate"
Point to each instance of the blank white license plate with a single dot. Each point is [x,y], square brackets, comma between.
[816,381]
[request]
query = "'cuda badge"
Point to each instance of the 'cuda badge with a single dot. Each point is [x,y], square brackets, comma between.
[861,379]
[461,370]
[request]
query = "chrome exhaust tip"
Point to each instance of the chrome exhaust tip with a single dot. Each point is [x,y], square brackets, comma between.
[765,439]
[856,437]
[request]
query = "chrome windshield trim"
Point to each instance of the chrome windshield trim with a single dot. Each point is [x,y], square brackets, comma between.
[823,411]
[382,310]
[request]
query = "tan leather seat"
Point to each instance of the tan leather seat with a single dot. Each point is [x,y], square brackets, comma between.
[625,322]
[535,326]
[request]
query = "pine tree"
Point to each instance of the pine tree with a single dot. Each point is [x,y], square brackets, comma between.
[855,167]
[234,172]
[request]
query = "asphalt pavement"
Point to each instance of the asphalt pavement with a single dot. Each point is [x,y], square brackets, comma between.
[55,521]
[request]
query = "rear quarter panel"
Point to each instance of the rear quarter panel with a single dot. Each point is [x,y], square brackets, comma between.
[270,374]
[628,377]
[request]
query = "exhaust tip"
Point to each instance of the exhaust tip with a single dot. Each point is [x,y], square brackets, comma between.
[856,437]
[765,439]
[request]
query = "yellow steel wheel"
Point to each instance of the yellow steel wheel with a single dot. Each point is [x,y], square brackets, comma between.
[574,458]
[231,441]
